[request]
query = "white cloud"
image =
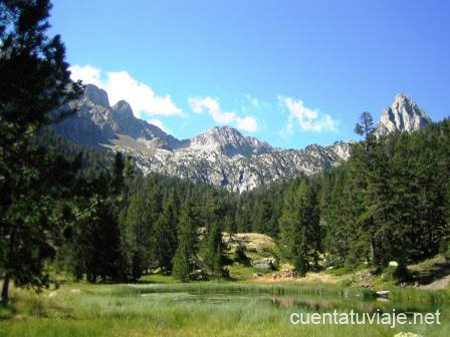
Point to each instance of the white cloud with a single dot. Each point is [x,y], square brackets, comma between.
[87,74]
[308,119]
[247,123]
[120,85]
[212,106]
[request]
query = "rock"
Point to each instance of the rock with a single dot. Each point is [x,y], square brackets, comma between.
[251,247]
[96,95]
[383,293]
[264,264]
[199,275]
[228,142]
[402,115]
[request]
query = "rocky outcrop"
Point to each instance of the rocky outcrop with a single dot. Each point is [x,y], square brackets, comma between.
[263,264]
[240,173]
[97,123]
[228,142]
[403,115]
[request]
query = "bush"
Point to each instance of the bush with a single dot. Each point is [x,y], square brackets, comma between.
[301,265]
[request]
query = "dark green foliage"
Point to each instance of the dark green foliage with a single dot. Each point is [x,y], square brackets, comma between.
[35,87]
[184,257]
[212,242]
[337,216]
[165,233]
[300,233]
[93,247]
[388,202]
[136,234]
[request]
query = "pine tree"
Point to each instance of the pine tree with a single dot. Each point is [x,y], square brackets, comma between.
[136,232]
[183,260]
[263,217]
[212,242]
[364,244]
[335,211]
[165,233]
[35,87]
[300,226]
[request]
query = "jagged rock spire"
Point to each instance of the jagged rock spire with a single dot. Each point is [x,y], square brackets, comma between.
[403,115]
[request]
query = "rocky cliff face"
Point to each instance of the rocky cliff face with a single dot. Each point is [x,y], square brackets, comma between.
[97,123]
[229,142]
[221,156]
[402,115]
[240,173]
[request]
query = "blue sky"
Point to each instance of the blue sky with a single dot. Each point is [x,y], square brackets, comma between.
[288,72]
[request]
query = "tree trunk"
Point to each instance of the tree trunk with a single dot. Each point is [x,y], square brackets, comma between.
[10,257]
[401,273]
[5,290]
[372,250]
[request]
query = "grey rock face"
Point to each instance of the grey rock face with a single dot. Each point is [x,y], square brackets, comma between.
[240,173]
[229,142]
[263,264]
[403,115]
[97,123]
[96,95]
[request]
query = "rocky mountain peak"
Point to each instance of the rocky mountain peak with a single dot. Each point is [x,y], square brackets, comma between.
[403,115]
[97,123]
[96,95]
[229,142]
[123,107]
[123,112]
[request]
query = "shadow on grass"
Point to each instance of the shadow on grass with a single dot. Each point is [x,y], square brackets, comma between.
[437,271]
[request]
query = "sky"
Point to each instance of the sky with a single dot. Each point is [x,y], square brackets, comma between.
[291,73]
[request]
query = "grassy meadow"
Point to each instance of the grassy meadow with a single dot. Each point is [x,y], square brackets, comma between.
[159,305]
[194,309]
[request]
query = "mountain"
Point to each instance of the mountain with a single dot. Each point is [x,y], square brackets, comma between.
[97,123]
[229,142]
[221,156]
[403,115]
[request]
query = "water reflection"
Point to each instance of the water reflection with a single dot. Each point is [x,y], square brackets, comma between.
[306,303]
[319,304]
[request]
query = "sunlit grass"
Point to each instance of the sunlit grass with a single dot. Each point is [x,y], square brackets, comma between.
[168,310]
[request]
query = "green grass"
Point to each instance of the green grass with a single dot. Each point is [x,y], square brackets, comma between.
[420,296]
[79,309]
[344,270]
[241,272]
[272,289]
[158,278]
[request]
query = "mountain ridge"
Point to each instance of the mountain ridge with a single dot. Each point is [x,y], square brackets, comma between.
[222,155]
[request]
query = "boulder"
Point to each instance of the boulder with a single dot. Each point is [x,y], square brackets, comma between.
[264,264]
